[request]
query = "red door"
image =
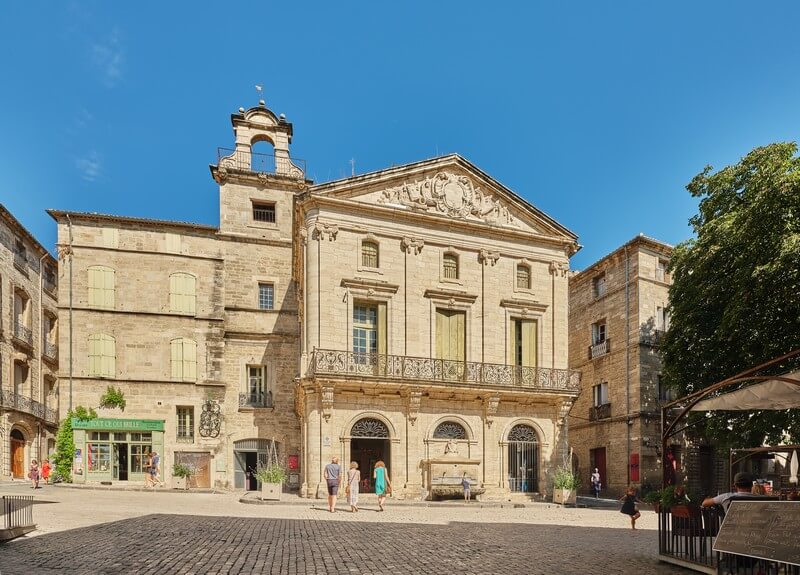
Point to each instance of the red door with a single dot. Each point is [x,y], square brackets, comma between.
[18,459]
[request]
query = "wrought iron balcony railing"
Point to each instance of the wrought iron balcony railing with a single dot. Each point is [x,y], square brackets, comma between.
[401,367]
[600,348]
[652,338]
[51,350]
[256,399]
[600,412]
[19,402]
[248,161]
[22,333]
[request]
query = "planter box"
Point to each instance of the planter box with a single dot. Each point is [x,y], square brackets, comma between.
[271,491]
[564,496]
[179,483]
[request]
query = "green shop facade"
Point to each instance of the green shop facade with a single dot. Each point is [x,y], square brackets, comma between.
[115,449]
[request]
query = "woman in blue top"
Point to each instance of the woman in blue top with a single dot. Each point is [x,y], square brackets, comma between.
[382,483]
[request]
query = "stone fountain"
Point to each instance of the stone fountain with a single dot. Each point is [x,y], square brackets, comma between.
[443,475]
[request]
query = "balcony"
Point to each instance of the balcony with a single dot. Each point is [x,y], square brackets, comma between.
[244,160]
[19,402]
[652,338]
[256,399]
[600,348]
[22,333]
[600,412]
[50,350]
[441,371]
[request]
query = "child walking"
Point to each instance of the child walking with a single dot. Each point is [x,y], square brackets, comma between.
[465,485]
[629,505]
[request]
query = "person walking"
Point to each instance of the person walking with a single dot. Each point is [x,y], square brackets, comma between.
[382,484]
[33,474]
[596,484]
[155,473]
[46,471]
[629,505]
[353,481]
[333,474]
[465,485]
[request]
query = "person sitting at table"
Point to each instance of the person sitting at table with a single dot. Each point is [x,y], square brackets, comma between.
[742,483]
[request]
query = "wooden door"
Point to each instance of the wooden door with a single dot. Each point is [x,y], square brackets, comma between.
[451,342]
[17,459]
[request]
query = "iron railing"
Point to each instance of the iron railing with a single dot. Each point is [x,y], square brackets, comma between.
[256,399]
[51,350]
[600,412]
[652,338]
[248,161]
[22,333]
[17,511]
[19,402]
[444,371]
[600,348]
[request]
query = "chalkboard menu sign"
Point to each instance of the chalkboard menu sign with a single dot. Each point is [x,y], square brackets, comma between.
[762,529]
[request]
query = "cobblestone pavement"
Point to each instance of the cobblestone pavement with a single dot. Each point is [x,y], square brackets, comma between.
[164,533]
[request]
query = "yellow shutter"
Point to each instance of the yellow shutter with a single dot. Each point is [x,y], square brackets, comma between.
[108,288]
[189,360]
[189,290]
[529,343]
[382,336]
[94,356]
[460,340]
[174,280]
[441,334]
[176,358]
[107,358]
[95,287]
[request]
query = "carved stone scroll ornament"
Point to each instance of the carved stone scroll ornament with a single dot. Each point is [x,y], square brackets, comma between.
[412,245]
[488,258]
[490,405]
[327,401]
[450,194]
[322,231]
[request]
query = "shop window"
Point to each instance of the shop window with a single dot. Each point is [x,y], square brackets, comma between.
[98,457]
[183,359]
[182,296]
[101,287]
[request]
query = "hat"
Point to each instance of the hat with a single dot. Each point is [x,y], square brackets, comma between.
[743,479]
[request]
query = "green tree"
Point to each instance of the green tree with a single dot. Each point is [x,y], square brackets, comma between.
[65,443]
[735,297]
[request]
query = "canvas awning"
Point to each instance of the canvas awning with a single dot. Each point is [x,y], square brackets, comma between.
[770,394]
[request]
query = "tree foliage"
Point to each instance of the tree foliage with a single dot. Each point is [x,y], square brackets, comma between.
[113,397]
[65,443]
[735,297]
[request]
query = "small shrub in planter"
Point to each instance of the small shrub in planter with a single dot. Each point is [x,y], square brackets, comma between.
[272,478]
[182,473]
[565,486]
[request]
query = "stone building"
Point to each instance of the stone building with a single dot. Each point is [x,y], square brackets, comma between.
[416,314]
[618,314]
[28,348]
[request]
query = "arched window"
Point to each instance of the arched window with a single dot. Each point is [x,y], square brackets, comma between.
[523,459]
[369,427]
[183,359]
[262,155]
[102,355]
[522,432]
[369,254]
[523,276]
[450,430]
[450,266]
[182,293]
[101,286]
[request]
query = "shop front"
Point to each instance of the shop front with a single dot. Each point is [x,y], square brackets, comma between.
[115,449]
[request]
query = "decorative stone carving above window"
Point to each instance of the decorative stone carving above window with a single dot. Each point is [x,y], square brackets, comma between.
[450,430]
[368,427]
[522,433]
[452,195]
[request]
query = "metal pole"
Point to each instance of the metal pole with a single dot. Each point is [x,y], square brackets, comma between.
[69,222]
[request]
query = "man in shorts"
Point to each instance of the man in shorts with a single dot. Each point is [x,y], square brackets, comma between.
[333,474]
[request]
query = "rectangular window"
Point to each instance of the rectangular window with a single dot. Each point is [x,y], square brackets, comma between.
[524,343]
[599,286]
[183,359]
[264,213]
[450,266]
[98,457]
[600,394]
[523,277]
[598,332]
[257,385]
[185,421]
[365,329]
[369,254]
[182,293]
[101,286]
[266,296]
[661,270]
[139,457]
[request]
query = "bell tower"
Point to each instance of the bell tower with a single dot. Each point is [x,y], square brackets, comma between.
[257,189]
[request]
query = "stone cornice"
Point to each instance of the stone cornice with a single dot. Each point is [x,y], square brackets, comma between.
[140,312]
[369,285]
[523,304]
[447,294]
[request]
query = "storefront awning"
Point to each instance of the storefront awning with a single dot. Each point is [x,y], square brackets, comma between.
[770,394]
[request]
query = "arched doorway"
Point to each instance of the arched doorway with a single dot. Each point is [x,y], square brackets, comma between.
[523,459]
[369,443]
[17,454]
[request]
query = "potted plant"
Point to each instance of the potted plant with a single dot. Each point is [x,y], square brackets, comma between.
[565,486]
[272,478]
[180,476]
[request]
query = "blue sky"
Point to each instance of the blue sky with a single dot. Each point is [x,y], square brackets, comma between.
[598,113]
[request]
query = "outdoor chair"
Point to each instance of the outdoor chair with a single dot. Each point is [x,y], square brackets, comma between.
[688,534]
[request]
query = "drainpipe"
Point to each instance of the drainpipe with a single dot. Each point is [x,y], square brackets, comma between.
[627,365]
[69,224]
[41,346]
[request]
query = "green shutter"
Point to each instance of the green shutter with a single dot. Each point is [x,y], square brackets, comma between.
[529,343]
[189,360]
[176,359]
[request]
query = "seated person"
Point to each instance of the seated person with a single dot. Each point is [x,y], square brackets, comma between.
[742,484]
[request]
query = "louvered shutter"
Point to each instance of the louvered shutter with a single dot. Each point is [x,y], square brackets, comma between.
[189,360]
[176,359]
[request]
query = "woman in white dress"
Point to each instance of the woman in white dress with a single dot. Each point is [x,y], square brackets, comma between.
[353,479]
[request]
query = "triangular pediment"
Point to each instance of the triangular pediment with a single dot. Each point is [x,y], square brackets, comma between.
[449,186]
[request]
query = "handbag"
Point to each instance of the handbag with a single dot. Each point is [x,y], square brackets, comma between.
[347,491]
